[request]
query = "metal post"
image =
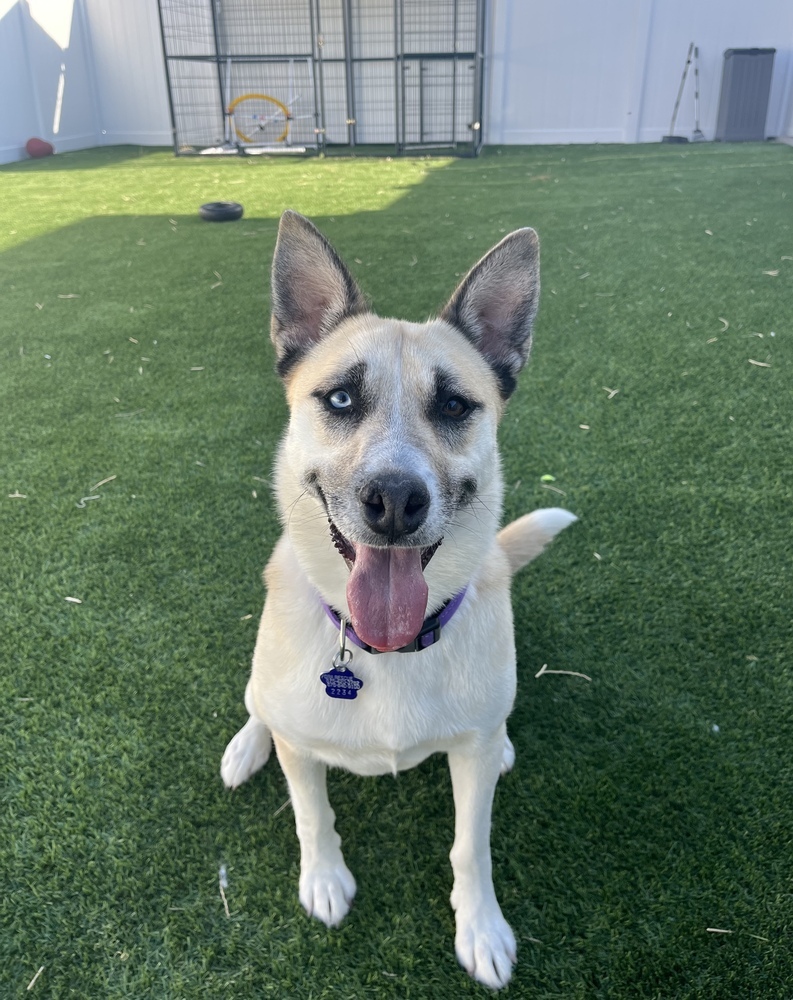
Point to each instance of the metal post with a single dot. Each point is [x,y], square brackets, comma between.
[168,80]
[477,137]
[402,60]
[396,75]
[454,78]
[218,59]
[227,118]
[320,41]
[348,71]
[313,75]
[421,100]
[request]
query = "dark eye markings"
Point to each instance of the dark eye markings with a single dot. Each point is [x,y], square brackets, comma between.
[450,404]
[345,396]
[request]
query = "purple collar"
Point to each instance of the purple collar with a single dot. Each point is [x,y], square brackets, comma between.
[430,631]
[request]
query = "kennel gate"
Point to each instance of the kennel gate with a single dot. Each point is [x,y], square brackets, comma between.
[295,75]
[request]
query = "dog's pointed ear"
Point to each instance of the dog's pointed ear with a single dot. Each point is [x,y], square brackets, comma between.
[312,290]
[496,303]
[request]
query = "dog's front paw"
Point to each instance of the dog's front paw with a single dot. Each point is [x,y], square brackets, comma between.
[246,753]
[326,892]
[485,945]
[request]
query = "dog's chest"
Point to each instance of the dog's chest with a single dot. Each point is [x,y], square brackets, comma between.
[397,719]
[409,706]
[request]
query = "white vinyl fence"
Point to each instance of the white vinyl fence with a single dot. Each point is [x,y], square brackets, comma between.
[83,73]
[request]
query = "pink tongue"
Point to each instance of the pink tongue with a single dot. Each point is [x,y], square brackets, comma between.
[387,596]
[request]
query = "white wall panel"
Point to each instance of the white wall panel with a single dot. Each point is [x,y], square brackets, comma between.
[578,71]
[558,70]
[714,27]
[45,77]
[129,74]
[20,117]
[561,71]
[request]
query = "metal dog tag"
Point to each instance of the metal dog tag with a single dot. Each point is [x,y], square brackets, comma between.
[340,682]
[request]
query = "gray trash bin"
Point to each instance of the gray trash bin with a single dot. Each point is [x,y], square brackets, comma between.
[743,104]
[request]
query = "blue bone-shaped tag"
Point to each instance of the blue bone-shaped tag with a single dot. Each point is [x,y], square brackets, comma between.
[341,684]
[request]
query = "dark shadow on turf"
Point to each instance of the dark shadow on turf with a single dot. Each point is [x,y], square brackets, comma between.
[630,823]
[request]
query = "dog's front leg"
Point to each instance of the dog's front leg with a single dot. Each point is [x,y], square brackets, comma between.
[484,941]
[249,750]
[326,885]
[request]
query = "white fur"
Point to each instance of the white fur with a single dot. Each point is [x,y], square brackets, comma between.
[524,539]
[453,697]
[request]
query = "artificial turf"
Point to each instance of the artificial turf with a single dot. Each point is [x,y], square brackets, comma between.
[646,806]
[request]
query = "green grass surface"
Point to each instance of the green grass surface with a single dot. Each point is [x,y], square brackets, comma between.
[645,807]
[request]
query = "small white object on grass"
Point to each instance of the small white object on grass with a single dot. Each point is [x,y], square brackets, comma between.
[32,982]
[568,673]
[223,884]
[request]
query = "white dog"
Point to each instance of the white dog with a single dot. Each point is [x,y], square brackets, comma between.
[387,629]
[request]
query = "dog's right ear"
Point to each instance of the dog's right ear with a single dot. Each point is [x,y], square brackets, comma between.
[312,290]
[496,303]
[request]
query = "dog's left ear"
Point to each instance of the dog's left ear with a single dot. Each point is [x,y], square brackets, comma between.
[496,303]
[312,290]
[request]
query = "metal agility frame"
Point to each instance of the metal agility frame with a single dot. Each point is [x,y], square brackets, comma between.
[309,75]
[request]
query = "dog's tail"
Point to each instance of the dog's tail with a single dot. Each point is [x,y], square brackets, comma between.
[524,539]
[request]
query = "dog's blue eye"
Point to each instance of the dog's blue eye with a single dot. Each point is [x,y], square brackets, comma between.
[340,400]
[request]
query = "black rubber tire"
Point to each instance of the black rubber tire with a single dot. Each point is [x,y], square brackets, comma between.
[221,211]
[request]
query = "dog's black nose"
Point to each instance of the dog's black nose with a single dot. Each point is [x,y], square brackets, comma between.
[394,505]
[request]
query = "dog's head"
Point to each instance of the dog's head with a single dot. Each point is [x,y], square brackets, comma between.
[391,445]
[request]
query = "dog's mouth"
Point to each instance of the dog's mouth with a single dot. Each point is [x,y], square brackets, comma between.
[386,591]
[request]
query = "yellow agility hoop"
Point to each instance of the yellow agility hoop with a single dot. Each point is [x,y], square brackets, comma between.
[262,97]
